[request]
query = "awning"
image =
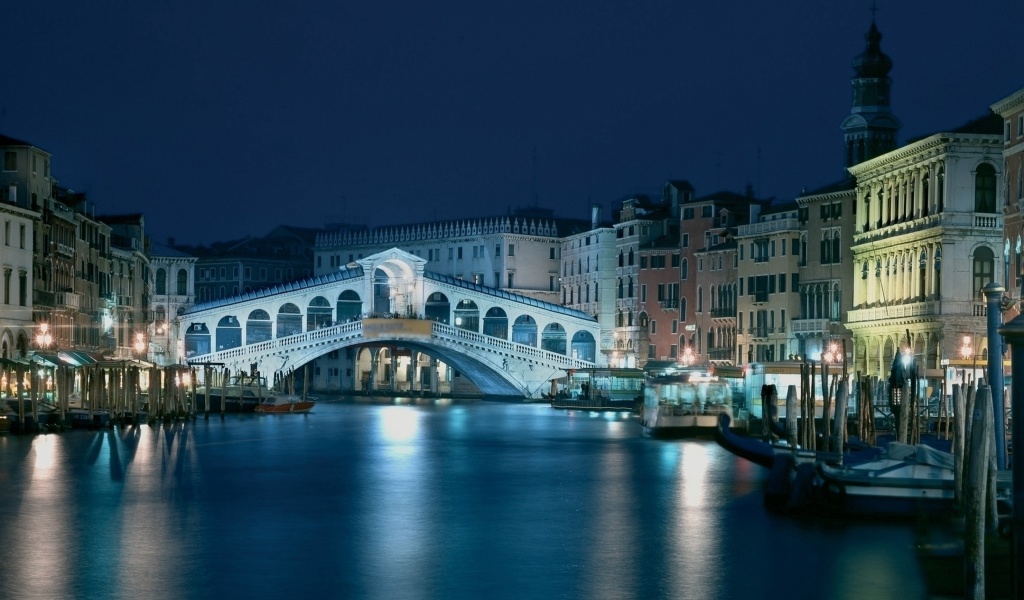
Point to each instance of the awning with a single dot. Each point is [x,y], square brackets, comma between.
[46,359]
[77,358]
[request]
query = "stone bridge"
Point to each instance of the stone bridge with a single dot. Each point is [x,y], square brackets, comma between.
[504,343]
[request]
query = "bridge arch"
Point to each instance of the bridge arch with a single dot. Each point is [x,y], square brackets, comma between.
[289,320]
[467,315]
[524,331]
[350,306]
[229,333]
[318,313]
[553,338]
[258,327]
[496,323]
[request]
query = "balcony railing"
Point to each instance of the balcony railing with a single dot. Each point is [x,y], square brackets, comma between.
[976,308]
[723,313]
[670,303]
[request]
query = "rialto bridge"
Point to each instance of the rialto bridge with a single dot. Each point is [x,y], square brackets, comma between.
[385,307]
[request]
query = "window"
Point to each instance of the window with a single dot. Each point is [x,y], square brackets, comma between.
[161,282]
[686,240]
[551,252]
[984,262]
[705,211]
[643,291]
[511,279]
[511,249]
[22,288]
[683,269]
[451,253]
[459,254]
[654,327]
[985,189]
[1020,125]
[21,236]
[687,214]
[10,161]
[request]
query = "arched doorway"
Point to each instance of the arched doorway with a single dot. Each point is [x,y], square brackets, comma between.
[467,316]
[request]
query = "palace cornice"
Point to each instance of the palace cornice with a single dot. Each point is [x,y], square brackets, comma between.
[1009,103]
[826,197]
[930,147]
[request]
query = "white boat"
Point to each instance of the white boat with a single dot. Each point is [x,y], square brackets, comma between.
[683,405]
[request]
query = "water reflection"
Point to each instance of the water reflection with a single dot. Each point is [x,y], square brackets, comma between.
[361,500]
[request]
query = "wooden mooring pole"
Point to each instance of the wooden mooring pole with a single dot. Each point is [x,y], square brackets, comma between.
[1014,334]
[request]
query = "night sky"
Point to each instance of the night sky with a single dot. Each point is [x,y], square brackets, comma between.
[219,122]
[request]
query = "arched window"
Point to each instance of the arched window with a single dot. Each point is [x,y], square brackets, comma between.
[621,259]
[182,289]
[700,299]
[984,264]
[161,282]
[631,257]
[683,269]
[985,189]
[682,309]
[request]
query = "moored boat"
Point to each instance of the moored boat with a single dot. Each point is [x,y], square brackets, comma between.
[285,403]
[902,481]
[684,405]
[242,393]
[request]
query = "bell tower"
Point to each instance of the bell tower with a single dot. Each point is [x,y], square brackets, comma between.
[870,128]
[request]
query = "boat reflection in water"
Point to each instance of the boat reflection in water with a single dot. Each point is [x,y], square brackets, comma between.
[285,403]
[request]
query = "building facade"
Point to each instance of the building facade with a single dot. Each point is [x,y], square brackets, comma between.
[929,228]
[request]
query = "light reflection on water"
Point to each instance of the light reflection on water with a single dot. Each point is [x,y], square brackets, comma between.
[400,500]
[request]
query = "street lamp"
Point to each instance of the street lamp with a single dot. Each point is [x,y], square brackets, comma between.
[44,338]
[140,344]
[687,357]
[965,353]
[831,354]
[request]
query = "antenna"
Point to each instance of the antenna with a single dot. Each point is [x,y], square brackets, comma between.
[534,158]
[758,169]
[874,10]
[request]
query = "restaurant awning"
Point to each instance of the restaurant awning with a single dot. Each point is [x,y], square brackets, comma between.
[46,359]
[77,358]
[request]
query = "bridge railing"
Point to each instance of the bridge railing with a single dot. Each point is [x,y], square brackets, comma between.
[355,329]
[450,331]
[342,331]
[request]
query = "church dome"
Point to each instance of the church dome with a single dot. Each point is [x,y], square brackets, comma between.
[872,63]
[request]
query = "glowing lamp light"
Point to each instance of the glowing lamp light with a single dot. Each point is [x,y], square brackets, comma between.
[43,338]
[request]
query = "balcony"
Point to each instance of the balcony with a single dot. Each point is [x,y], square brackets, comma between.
[669,304]
[125,301]
[723,313]
[70,301]
[721,353]
[41,299]
[765,227]
[948,220]
[812,326]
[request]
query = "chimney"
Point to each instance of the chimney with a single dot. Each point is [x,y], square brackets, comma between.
[595,216]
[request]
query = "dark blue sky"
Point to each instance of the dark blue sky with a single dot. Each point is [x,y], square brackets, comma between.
[222,122]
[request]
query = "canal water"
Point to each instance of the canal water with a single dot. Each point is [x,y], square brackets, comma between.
[378,500]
